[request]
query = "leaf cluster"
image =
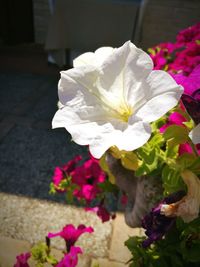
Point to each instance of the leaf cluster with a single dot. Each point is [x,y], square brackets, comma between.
[179,248]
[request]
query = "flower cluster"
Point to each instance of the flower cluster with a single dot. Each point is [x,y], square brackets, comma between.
[182,60]
[84,182]
[41,253]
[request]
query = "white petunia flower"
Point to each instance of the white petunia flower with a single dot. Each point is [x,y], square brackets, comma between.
[195,134]
[188,207]
[110,97]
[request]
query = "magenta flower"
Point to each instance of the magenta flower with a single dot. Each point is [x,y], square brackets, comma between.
[87,192]
[157,224]
[189,35]
[22,260]
[160,54]
[61,173]
[174,118]
[191,83]
[87,177]
[187,59]
[71,234]
[70,259]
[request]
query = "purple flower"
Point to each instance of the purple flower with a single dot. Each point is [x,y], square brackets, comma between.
[192,105]
[71,234]
[70,259]
[157,224]
[22,260]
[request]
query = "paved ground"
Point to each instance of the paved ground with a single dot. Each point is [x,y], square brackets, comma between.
[29,148]
[25,221]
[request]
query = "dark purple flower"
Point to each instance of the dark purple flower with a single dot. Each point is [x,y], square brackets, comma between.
[192,105]
[22,260]
[70,259]
[102,213]
[156,224]
[71,234]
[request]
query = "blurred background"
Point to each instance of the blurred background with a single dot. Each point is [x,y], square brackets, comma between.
[38,38]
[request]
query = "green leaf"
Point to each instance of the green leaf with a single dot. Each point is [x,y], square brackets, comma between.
[171,148]
[157,140]
[130,161]
[149,161]
[103,164]
[52,260]
[107,186]
[195,166]
[172,181]
[39,252]
[179,134]
[52,190]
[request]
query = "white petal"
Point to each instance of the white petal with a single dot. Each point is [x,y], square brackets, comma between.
[130,139]
[94,59]
[195,134]
[162,94]
[84,59]
[75,80]
[123,68]
[99,134]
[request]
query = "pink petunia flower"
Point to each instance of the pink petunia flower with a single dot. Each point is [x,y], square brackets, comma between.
[191,82]
[186,60]
[160,54]
[70,259]
[87,177]
[61,173]
[189,35]
[22,260]
[71,234]
[174,118]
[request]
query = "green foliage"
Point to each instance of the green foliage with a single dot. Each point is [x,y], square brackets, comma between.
[41,254]
[103,164]
[172,181]
[179,248]
[107,186]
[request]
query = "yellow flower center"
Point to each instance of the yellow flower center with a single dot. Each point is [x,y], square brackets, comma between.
[124,112]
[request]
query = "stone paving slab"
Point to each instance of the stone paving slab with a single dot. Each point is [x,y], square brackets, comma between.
[106,263]
[121,232]
[10,248]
